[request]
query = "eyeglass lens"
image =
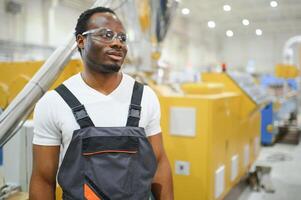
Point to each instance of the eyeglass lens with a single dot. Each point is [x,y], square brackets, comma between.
[109,35]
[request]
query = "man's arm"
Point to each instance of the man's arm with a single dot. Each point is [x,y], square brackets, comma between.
[162,186]
[43,178]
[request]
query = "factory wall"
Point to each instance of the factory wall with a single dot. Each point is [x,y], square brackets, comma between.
[25,26]
[39,22]
[185,46]
[35,31]
[202,48]
[47,24]
[260,54]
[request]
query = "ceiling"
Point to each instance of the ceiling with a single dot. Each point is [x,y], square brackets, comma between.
[286,17]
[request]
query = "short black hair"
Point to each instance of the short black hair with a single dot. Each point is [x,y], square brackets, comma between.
[83,19]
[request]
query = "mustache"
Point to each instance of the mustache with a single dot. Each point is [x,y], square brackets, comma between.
[115,52]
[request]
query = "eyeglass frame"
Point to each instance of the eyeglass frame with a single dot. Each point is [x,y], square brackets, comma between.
[116,35]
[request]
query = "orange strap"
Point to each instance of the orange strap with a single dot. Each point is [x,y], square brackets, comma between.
[109,151]
[90,194]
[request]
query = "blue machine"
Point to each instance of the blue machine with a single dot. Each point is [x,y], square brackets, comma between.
[267,113]
[267,136]
[268,116]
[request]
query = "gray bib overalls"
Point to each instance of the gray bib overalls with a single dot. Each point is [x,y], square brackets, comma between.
[107,163]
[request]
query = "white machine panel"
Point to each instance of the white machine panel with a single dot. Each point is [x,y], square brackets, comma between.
[234,167]
[246,155]
[219,181]
[182,121]
[17,157]
[182,167]
[256,145]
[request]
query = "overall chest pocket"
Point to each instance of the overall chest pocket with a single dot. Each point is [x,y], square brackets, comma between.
[109,165]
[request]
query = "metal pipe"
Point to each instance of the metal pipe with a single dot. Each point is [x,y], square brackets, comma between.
[19,109]
[287,51]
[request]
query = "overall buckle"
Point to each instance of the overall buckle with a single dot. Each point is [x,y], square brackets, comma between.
[135,111]
[80,112]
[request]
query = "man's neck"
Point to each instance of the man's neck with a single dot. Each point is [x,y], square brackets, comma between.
[102,82]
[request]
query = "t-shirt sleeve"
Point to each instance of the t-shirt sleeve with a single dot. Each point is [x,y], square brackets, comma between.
[153,112]
[46,131]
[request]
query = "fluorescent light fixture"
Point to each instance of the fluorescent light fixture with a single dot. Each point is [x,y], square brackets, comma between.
[185,11]
[227,8]
[258,32]
[273,4]
[229,33]
[211,24]
[245,22]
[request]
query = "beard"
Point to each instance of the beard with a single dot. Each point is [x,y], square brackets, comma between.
[106,68]
[102,68]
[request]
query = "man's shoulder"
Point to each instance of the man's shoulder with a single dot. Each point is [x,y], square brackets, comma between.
[73,80]
[147,91]
[51,97]
[128,78]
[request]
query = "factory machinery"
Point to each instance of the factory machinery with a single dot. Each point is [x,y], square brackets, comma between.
[211,130]
[15,75]
[211,133]
[279,118]
[15,170]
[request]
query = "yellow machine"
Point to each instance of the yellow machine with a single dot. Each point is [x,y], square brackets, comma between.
[252,100]
[286,71]
[251,103]
[211,130]
[197,136]
[15,75]
[211,135]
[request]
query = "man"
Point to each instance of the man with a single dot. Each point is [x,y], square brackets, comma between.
[108,150]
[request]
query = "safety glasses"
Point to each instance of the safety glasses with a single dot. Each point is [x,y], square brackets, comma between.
[107,35]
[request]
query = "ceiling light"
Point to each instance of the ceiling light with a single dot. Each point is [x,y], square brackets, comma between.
[229,33]
[245,22]
[258,32]
[273,4]
[227,8]
[211,24]
[185,11]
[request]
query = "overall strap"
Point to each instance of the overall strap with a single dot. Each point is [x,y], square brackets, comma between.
[77,108]
[135,106]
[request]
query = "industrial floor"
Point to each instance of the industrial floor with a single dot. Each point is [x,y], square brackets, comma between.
[285,161]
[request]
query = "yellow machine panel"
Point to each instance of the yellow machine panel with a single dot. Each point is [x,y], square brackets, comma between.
[15,75]
[202,88]
[211,135]
[286,71]
[249,121]
[197,136]
[248,105]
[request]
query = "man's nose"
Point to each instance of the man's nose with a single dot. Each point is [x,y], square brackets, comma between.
[116,43]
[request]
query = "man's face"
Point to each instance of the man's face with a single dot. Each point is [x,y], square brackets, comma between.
[100,54]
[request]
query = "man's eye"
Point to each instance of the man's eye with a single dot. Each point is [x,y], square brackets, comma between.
[122,37]
[109,34]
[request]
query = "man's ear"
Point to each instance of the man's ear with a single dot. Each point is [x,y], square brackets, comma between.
[80,41]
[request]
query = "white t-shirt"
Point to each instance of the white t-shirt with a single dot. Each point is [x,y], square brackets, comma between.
[54,121]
